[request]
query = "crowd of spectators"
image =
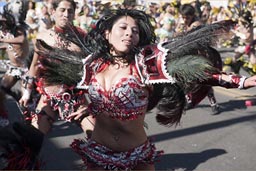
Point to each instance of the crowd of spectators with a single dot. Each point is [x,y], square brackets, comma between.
[167,17]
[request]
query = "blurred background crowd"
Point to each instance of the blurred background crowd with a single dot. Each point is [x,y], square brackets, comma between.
[167,16]
[168,19]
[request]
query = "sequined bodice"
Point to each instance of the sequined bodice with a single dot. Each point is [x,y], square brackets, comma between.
[125,100]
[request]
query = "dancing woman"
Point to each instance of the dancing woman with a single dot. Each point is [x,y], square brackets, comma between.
[127,75]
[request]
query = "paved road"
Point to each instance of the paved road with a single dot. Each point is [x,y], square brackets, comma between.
[202,142]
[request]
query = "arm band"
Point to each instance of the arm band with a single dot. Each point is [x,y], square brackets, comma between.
[234,81]
[28,80]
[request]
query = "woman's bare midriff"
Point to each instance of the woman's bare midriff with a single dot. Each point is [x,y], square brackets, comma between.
[119,135]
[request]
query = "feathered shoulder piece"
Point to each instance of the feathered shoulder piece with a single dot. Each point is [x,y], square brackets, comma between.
[186,61]
[179,60]
[151,64]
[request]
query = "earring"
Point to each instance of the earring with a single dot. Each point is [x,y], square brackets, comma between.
[107,35]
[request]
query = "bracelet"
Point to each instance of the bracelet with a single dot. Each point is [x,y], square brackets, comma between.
[28,80]
[231,81]
[26,94]
[241,82]
[237,81]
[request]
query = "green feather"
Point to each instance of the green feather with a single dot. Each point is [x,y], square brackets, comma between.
[190,69]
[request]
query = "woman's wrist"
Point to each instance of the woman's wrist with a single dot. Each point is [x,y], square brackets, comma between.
[242,82]
[28,82]
[26,94]
[231,80]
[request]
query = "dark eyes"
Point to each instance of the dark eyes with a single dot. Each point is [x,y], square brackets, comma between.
[69,10]
[134,30]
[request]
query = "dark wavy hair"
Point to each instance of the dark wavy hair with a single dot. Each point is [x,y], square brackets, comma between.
[10,20]
[55,3]
[99,46]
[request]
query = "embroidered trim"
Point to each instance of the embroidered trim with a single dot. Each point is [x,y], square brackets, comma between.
[14,71]
[83,84]
[241,82]
[151,65]
[63,101]
[235,81]
[100,155]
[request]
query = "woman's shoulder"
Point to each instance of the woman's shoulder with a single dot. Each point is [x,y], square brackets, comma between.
[45,34]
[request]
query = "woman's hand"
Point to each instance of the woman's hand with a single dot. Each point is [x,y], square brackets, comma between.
[250,82]
[79,115]
[25,97]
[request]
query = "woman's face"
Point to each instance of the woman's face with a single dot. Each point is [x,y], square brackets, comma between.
[187,19]
[86,10]
[123,36]
[64,14]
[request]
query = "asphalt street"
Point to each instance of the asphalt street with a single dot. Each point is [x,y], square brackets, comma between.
[201,142]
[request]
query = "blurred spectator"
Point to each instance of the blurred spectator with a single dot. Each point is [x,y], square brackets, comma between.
[222,14]
[166,22]
[153,10]
[206,12]
[84,20]
[190,22]
[129,4]
[244,31]
[44,21]
[31,20]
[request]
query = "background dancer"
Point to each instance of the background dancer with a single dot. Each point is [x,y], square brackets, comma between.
[191,21]
[59,37]
[14,41]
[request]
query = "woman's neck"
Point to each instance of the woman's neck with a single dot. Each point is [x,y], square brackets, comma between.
[58,29]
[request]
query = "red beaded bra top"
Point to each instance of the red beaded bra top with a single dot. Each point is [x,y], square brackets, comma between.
[128,98]
[125,100]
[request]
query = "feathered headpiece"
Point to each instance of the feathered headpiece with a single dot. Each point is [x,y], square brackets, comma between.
[17,10]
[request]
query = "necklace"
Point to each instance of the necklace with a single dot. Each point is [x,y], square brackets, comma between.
[61,37]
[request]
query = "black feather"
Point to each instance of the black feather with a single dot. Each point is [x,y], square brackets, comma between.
[190,69]
[197,39]
[59,54]
[191,60]
[171,106]
[75,37]
[59,66]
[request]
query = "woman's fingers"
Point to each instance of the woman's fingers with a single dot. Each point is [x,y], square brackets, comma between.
[78,115]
